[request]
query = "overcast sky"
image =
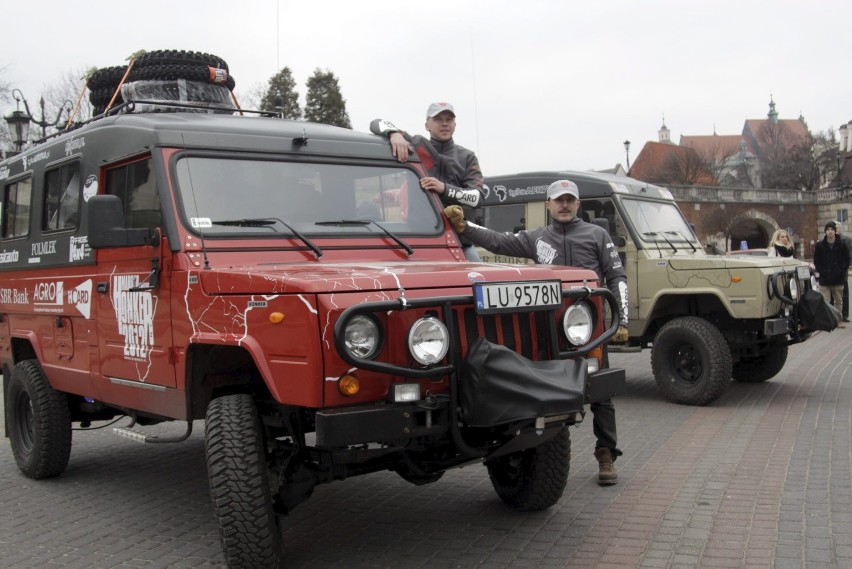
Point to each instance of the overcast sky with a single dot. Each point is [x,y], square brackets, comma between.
[536,84]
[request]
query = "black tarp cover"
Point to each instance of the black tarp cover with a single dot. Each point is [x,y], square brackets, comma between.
[816,313]
[499,386]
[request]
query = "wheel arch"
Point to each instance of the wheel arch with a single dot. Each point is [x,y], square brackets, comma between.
[214,370]
[668,305]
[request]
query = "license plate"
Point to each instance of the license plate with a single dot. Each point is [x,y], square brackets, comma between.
[803,273]
[517,296]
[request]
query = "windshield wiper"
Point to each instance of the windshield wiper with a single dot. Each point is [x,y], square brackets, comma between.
[366,222]
[265,221]
[682,236]
[666,239]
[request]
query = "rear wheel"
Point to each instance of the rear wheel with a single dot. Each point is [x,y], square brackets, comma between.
[763,367]
[533,479]
[39,422]
[239,483]
[691,361]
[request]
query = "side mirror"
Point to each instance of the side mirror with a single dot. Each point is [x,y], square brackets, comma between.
[106,226]
[618,241]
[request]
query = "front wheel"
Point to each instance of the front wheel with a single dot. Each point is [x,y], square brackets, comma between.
[533,479]
[691,361]
[763,367]
[239,483]
[39,422]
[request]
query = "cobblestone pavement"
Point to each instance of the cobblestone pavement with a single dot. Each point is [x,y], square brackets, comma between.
[760,478]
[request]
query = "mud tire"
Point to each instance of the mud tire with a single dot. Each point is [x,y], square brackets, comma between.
[39,422]
[691,361]
[533,479]
[239,483]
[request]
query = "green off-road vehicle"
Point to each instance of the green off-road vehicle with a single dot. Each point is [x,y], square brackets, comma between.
[706,318]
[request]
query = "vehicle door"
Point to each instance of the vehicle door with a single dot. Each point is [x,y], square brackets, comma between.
[134,317]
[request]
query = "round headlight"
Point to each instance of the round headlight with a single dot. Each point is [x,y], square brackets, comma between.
[428,340]
[577,323]
[794,288]
[361,337]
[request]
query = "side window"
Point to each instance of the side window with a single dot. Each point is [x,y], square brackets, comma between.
[135,185]
[17,198]
[62,198]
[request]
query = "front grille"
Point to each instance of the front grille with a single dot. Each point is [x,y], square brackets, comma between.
[524,332]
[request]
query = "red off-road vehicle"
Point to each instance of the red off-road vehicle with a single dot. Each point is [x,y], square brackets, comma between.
[291,284]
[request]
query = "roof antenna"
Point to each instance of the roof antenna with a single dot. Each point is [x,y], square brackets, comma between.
[279,104]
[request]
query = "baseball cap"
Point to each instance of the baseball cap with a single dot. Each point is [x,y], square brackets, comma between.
[562,187]
[436,108]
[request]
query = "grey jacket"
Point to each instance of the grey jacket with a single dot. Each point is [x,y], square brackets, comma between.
[454,165]
[576,244]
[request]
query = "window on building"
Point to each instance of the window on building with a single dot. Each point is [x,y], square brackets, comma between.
[137,189]
[17,198]
[842,215]
[62,198]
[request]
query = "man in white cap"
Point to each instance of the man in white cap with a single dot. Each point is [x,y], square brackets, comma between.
[568,240]
[453,170]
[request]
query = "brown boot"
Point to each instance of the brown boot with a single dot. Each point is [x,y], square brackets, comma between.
[607,476]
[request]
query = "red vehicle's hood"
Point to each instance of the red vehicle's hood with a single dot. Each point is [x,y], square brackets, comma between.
[319,278]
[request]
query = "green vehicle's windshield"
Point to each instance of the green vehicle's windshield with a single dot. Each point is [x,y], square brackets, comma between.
[267,198]
[657,221]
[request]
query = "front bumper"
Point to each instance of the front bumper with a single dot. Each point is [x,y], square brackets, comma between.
[398,423]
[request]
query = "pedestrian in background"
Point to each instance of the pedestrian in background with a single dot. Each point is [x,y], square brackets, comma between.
[831,260]
[845,310]
[781,245]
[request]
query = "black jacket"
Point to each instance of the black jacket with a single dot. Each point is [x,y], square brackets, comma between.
[831,261]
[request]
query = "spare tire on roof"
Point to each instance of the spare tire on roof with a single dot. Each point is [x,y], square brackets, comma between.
[106,77]
[179,57]
[200,73]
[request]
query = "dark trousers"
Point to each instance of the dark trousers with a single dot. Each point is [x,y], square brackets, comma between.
[603,425]
[603,421]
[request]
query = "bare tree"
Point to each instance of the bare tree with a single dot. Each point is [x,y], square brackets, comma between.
[685,166]
[252,97]
[826,154]
[786,161]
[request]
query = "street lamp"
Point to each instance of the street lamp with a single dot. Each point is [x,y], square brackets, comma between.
[42,122]
[19,123]
[627,153]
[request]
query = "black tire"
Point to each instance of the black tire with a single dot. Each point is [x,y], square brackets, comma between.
[691,361]
[763,367]
[533,479]
[179,57]
[106,77]
[239,483]
[200,73]
[39,422]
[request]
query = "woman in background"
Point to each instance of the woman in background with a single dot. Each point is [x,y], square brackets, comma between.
[781,245]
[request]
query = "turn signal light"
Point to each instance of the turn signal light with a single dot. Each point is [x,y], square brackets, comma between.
[276,317]
[349,385]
